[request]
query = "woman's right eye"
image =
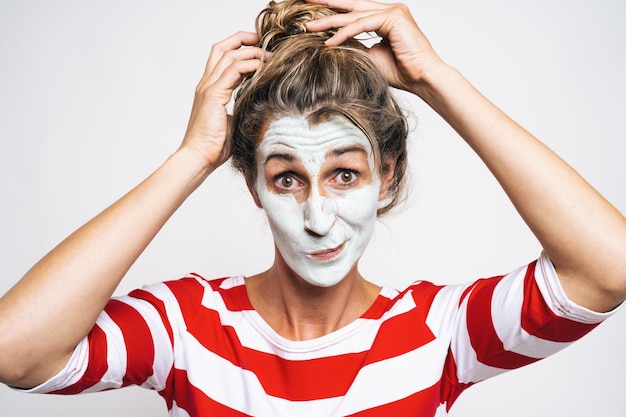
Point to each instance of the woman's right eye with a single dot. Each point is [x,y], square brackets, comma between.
[286,182]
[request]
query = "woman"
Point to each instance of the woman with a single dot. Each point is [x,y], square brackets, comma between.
[320,176]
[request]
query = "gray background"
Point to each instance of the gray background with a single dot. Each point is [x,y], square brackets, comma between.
[95,95]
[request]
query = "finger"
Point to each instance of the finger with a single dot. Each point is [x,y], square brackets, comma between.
[233,42]
[336,21]
[351,25]
[349,5]
[244,54]
[233,74]
[225,81]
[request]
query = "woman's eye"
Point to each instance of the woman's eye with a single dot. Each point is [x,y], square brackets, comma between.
[286,182]
[346,177]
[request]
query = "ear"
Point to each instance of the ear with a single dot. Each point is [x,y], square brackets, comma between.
[388,171]
[253,193]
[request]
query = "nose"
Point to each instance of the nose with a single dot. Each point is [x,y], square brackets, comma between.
[319,215]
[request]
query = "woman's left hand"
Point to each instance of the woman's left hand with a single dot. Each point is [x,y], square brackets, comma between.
[404,55]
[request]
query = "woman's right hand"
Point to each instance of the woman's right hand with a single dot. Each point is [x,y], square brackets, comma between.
[55,305]
[229,61]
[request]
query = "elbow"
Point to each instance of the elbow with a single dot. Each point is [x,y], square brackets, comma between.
[615,287]
[616,280]
[13,371]
[18,371]
[611,281]
[598,283]
[16,379]
[20,366]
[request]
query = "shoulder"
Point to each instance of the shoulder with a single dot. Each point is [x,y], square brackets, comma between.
[218,293]
[191,292]
[421,297]
[423,292]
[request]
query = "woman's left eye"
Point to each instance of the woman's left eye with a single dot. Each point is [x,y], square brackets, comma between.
[346,177]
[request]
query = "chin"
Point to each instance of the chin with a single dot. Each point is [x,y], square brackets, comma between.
[324,277]
[323,284]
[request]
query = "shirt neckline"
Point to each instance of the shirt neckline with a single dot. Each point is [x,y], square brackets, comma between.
[385,295]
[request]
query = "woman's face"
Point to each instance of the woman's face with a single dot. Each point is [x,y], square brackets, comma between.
[320,189]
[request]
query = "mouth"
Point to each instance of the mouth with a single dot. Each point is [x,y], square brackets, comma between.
[327,254]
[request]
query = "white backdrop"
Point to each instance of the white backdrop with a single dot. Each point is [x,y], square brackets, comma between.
[95,95]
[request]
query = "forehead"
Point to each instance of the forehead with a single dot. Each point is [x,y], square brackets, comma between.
[294,135]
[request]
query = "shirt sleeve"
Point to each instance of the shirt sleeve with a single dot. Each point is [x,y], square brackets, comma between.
[514,320]
[131,343]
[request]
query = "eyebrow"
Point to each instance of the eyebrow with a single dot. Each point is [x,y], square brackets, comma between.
[337,152]
[280,155]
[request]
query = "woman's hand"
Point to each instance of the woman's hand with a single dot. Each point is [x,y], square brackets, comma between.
[584,236]
[45,315]
[404,55]
[230,60]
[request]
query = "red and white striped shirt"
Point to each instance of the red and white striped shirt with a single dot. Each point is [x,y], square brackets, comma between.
[203,347]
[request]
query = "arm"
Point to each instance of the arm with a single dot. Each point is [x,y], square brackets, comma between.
[56,303]
[584,236]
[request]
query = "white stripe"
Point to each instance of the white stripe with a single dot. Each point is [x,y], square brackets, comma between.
[173,313]
[508,298]
[176,411]
[255,333]
[396,378]
[443,315]
[232,282]
[116,355]
[469,369]
[217,376]
[163,354]
[448,321]
[441,411]
[69,375]
[554,294]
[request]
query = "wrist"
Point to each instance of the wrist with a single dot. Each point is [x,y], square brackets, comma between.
[435,80]
[189,163]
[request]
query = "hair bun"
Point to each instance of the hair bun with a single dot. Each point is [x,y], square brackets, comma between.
[281,20]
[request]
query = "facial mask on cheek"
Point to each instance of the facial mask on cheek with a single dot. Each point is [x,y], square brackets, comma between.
[321,238]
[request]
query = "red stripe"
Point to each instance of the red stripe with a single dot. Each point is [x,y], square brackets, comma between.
[235,298]
[279,377]
[539,320]
[405,332]
[97,364]
[160,308]
[421,404]
[284,378]
[451,388]
[380,306]
[466,292]
[483,337]
[168,392]
[196,402]
[137,339]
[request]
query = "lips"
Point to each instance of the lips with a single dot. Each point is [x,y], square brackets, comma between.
[327,254]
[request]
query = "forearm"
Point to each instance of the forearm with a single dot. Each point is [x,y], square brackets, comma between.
[581,232]
[57,302]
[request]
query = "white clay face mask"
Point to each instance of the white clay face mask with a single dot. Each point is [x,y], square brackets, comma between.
[319,188]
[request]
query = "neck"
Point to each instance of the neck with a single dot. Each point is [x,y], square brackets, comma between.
[298,310]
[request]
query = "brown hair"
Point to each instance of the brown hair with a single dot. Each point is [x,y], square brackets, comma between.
[304,77]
